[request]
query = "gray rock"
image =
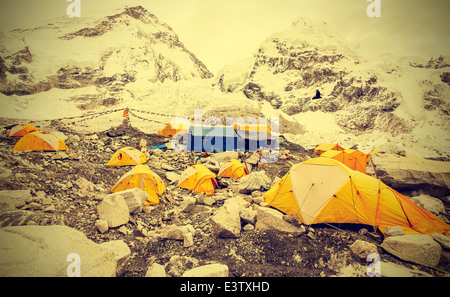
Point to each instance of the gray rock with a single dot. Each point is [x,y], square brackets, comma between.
[211,270]
[134,198]
[417,248]
[172,177]
[226,222]
[253,182]
[272,219]
[394,231]
[156,270]
[248,215]
[114,210]
[122,253]
[101,225]
[363,248]
[433,205]
[413,173]
[443,240]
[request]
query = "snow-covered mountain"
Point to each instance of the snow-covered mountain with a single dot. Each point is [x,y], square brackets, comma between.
[70,66]
[108,52]
[365,100]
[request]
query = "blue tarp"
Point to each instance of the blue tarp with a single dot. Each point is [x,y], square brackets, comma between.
[225,138]
[212,139]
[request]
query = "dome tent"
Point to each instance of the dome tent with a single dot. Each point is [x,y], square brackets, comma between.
[323,190]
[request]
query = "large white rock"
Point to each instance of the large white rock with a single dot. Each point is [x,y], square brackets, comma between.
[114,210]
[363,248]
[33,251]
[253,182]
[122,253]
[134,198]
[443,240]
[226,222]
[211,270]
[413,173]
[429,203]
[272,219]
[417,248]
[156,270]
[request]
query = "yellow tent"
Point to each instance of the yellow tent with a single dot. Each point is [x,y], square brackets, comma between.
[252,127]
[40,141]
[323,147]
[22,129]
[143,178]
[323,190]
[127,156]
[233,168]
[353,159]
[198,178]
[172,129]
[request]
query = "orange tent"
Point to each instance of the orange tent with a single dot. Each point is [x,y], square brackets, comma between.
[198,178]
[22,129]
[172,129]
[127,156]
[323,147]
[323,190]
[354,159]
[40,141]
[233,168]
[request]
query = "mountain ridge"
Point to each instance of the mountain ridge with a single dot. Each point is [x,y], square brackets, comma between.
[134,38]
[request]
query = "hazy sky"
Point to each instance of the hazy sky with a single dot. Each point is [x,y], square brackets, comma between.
[222,31]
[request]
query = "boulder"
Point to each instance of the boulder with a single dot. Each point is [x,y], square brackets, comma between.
[211,270]
[114,210]
[122,253]
[412,173]
[185,233]
[55,251]
[253,182]
[272,219]
[226,222]
[443,240]
[431,204]
[134,198]
[156,270]
[248,216]
[417,248]
[394,231]
[101,225]
[363,248]
[172,177]
[174,232]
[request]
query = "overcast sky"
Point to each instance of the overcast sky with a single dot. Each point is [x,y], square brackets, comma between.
[222,31]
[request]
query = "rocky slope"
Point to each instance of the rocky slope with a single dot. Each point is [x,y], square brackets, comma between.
[362,94]
[106,53]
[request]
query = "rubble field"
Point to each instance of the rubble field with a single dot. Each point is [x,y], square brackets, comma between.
[67,187]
